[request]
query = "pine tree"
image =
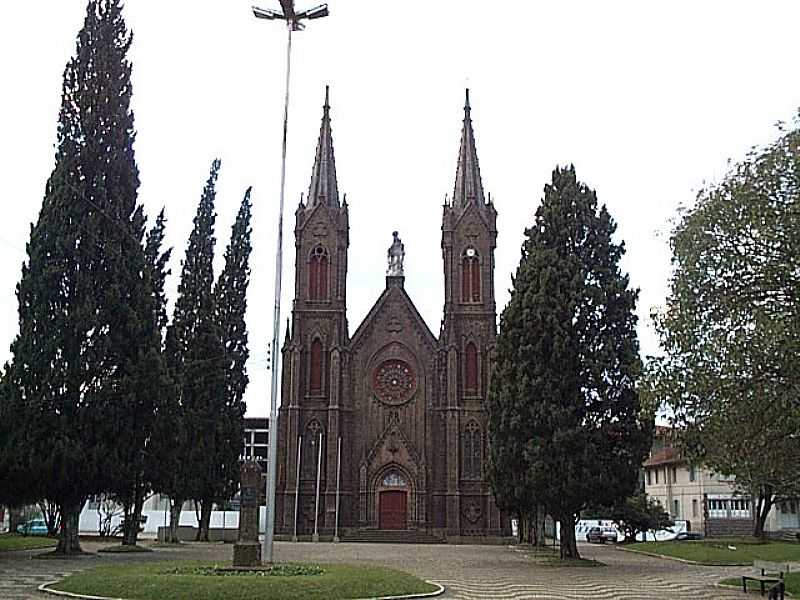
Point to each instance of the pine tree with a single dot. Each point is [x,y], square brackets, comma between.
[194,312]
[64,356]
[565,418]
[157,262]
[140,388]
[230,305]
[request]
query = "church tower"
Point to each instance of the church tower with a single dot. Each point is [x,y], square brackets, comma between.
[318,335]
[469,238]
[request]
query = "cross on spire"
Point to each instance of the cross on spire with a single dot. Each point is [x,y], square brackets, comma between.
[468,187]
[323,188]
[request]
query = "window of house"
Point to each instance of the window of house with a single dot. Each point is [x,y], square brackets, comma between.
[649,478]
[692,473]
[674,474]
[470,276]
[694,507]
[315,375]
[676,508]
[656,470]
[471,368]
[318,274]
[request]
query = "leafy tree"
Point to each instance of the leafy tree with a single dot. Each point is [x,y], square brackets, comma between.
[565,420]
[65,355]
[187,357]
[730,331]
[639,513]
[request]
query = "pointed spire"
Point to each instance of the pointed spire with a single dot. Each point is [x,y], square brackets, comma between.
[469,187]
[323,188]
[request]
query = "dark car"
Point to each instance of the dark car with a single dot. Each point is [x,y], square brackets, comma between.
[601,535]
[688,535]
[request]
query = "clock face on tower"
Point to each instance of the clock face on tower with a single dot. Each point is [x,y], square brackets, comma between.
[393,382]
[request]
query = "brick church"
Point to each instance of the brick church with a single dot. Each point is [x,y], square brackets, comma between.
[408,405]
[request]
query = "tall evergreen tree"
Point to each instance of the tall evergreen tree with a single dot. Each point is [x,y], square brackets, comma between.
[65,357]
[230,306]
[157,261]
[194,311]
[565,418]
[139,389]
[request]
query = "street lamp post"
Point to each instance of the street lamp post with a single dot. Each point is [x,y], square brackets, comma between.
[292,19]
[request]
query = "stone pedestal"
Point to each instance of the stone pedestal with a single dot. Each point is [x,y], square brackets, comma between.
[247,550]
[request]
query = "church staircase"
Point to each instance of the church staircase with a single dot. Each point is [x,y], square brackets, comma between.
[392,536]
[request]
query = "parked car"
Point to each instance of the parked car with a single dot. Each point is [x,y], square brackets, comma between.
[688,535]
[33,527]
[601,535]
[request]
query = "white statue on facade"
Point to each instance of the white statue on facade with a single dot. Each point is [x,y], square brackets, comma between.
[396,254]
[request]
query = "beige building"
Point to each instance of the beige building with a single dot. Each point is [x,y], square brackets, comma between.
[709,501]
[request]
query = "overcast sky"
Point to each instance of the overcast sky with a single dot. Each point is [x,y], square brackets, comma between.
[647,99]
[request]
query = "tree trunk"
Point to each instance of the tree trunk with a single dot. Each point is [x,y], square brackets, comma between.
[762,508]
[538,526]
[68,543]
[16,517]
[52,517]
[569,546]
[133,515]
[206,504]
[175,507]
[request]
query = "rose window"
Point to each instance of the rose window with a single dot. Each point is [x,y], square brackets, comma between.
[394,382]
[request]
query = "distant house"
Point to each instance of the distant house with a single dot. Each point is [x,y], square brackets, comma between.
[709,501]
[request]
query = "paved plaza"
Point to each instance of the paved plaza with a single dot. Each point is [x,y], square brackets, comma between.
[468,572]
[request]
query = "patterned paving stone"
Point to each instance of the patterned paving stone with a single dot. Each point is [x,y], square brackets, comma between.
[468,572]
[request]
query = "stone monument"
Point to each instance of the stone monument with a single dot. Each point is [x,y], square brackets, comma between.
[247,550]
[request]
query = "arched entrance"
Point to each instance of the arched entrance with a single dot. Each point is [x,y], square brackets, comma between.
[393,501]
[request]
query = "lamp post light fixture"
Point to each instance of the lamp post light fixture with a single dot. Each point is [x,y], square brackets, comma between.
[293,19]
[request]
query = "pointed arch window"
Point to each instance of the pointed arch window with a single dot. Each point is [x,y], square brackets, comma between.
[312,437]
[318,274]
[470,276]
[471,369]
[315,368]
[472,451]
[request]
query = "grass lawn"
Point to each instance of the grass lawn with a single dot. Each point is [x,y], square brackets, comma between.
[718,552]
[14,541]
[792,583]
[187,581]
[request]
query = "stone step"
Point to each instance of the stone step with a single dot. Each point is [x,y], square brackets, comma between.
[392,536]
[790,535]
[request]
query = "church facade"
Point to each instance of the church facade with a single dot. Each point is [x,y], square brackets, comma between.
[407,405]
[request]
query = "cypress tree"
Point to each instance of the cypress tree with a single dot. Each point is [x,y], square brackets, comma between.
[64,356]
[565,418]
[230,305]
[187,357]
[140,386]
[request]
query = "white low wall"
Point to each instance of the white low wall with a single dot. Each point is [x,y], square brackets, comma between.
[89,520]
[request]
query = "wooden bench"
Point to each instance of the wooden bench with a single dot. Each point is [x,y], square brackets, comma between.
[766,572]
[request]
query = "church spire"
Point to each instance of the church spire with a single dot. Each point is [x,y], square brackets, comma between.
[469,187]
[323,188]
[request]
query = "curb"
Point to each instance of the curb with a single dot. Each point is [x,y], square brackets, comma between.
[681,560]
[45,587]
